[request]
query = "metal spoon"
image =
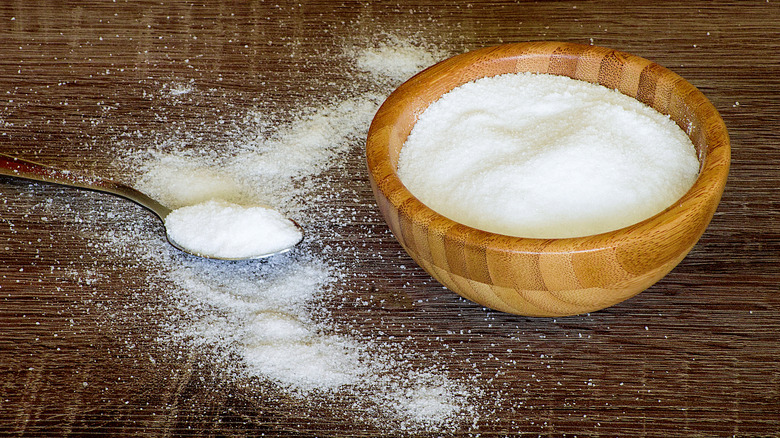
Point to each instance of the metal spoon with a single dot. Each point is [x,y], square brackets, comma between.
[29,170]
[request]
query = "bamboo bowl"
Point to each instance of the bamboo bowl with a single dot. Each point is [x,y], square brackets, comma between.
[549,277]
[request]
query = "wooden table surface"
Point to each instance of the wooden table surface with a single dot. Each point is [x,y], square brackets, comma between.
[695,355]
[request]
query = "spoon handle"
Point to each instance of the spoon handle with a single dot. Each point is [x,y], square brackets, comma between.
[30,170]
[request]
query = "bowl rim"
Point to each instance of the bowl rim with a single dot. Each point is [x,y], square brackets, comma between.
[711,179]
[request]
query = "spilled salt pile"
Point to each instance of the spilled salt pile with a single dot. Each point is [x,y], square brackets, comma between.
[269,320]
[545,156]
[395,60]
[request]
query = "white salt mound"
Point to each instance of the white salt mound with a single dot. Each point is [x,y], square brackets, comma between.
[231,231]
[545,156]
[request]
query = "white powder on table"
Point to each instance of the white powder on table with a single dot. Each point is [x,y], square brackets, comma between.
[231,231]
[181,180]
[269,319]
[396,59]
[545,156]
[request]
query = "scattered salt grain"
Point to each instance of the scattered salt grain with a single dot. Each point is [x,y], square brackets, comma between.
[307,362]
[178,89]
[545,156]
[397,60]
[425,403]
[269,320]
[178,180]
[231,231]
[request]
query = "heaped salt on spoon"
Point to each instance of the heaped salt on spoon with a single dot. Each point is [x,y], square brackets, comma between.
[214,229]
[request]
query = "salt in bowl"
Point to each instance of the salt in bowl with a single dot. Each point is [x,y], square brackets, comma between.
[549,277]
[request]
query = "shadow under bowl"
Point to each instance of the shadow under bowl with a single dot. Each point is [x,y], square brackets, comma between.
[549,277]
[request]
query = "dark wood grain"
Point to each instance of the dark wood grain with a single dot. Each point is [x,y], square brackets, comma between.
[696,354]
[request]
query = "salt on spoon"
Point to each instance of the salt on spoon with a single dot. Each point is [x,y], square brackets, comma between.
[214,229]
[219,229]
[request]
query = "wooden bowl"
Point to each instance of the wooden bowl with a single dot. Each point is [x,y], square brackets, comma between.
[549,277]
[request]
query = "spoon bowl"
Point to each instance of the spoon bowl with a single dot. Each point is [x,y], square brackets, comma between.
[32,171]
